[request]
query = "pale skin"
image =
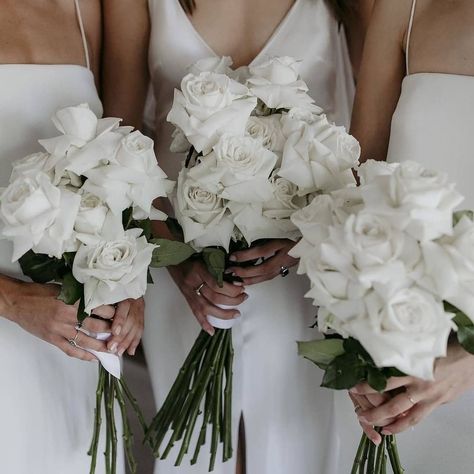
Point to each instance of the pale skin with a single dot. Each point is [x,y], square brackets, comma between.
[235,28]
[442,42]
[47,32]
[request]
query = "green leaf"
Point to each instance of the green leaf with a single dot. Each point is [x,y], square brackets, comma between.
[344,372]
[321,352]
[42,268]
[376,379]
[71,290]
[458,215]
[214,258]
[352,345]
[465,336]
[461,320]
[170,252]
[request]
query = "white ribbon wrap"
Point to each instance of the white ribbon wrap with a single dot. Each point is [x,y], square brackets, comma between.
[110,362]
[219,323]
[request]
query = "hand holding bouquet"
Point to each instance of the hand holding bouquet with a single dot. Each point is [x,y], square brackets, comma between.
[389,264]
[258,150]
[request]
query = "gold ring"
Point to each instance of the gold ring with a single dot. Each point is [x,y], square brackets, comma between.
[411,399]
[199,288]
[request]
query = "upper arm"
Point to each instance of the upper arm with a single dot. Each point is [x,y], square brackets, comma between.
[380,77]
[125,61]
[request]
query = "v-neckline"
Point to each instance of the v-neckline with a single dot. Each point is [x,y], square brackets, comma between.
[265,47]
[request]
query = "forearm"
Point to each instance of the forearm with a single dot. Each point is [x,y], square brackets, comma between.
[8,290]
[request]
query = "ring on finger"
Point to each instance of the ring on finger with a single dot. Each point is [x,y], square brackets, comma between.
[73,341]
[198,289]
[357,408]
[284,271]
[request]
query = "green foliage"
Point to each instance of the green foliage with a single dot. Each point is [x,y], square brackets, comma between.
[215,259]
[458,215]
[170,252]
[71,290]
[321,352]
[465,327]
[42,268]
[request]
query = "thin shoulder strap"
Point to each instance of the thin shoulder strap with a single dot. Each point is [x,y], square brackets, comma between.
[83,34]
[410,27]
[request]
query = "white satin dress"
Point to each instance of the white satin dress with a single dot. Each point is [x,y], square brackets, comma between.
[288,418]
[47,399]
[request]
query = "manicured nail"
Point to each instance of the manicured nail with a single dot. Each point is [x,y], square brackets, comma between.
[210,332]
[376,441]
[237,315]
[246,296]
[113,348]
[233,258]
[133,352]
[353,390]
[228,270]
[362,419]
[118,330]
[386,432]
[238,283]
[120,352]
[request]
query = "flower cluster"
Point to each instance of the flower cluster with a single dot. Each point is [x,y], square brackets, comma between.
[384,259]
[72,198]
[263,149]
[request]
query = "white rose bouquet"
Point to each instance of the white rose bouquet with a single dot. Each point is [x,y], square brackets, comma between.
[79,215]
[391,269]
[259,149]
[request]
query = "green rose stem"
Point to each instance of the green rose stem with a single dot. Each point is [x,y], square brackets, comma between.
[198,390]
[371,458]
[392,450]
[360,455]
[380,456]
[111,390]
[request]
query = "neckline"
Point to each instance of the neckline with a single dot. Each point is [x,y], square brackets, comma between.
[32,65]
[441,74]
[264,48]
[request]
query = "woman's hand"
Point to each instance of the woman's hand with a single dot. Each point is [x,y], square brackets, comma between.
[127,327]
[203,294]
[37,310]
[275,258]
[415,399]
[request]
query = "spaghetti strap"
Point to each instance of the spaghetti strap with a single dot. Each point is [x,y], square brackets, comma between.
[410,27]
[83,34]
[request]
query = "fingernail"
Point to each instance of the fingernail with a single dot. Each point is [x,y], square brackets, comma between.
[246,296]
[363,419]
[120,352]
[238,283]
[237,315]
[133,352]
[233,258]
[118,330]
[228,270]
[386,432]
[376,441]
[353,390]
[113,348]
[210,332]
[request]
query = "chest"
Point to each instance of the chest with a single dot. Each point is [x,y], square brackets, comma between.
[39,32]
[239,28]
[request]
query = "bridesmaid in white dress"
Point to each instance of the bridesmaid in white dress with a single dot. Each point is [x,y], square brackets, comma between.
[47,60]
[415,101]
[287,418]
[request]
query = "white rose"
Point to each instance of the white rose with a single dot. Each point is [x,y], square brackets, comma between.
[133,179]
[241,166]
[408,330]
[78,126]
[370,169]
[91,216]
[38,215]
[268,130]
[217,64]
[113,270]
[449,266]
[209,105]
[179,142]
[277,84]
[202,214]
[318,155]
[417,200]
[32,165]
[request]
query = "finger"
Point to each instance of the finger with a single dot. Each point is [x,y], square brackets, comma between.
[121,315]
[371,433]
[392,383]
[127,341]
[93,326]
[75,352]
[204,323]
[392,408]
[377,399]
[256,252]
[260,279]
[105,311]
[118,344]
[362,403]
[219,298]
[270,267]
[208,309]
[412,418]
[132,349]
[87,342]
[227,289]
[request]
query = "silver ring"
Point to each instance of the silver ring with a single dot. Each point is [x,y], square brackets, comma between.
[284,271]
[357,408]
[73,341]
[198,289]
